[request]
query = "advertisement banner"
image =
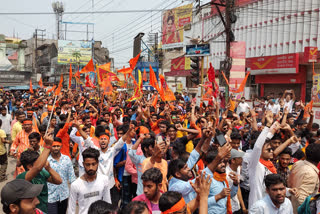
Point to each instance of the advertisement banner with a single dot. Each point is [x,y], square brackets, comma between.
[310,54]
[173,22]
[198,50]
[180,64]
[316,90]
[280,64]
[71,52]
[238,69]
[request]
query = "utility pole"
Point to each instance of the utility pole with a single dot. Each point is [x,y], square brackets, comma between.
[36,45]
[228,41]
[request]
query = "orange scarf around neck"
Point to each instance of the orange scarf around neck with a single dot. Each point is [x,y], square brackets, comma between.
[269,165]
[223,178]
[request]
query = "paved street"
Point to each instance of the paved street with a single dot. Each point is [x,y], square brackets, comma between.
[10,171]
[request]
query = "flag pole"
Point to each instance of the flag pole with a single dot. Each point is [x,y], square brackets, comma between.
[54,103]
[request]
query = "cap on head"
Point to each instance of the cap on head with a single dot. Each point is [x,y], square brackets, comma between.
[236,154]
[19,189]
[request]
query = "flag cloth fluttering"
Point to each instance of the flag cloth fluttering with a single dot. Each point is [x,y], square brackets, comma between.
[107,87]
[31,87]
[89,82]
[88,68]
[125,70]
[138,93]
[51,89]
[58,90]
[106,66]
[144,76]
[165,90]
[307,108]
[40,83]
[242,85]
[134,60]
[153,79]
[70,76]
[212,79]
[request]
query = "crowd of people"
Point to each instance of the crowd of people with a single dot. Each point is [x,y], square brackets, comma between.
[87,152]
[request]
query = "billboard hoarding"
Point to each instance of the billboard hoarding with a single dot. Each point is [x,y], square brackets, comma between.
[67,50]
[173,22]
[198,50]
[310,54]
[280,64]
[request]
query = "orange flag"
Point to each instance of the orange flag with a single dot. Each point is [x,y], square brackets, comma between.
[125,70]
[57,92]
[89,82]
[208,95]
[225,78]
[243,84]
[88,68]
[77,75]
[52,89]
[107,87]
[155,101]
[40,83]
[134,80]
[70,76]
[144,76]
[106,66]
[166,91]
[31,87]
[133,61]
[307,108]
[153,79]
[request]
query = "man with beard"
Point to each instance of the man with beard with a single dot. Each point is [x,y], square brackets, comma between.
[91,186]
[221,192]
[58,194]
[152,182]
[106,117]
[275,201]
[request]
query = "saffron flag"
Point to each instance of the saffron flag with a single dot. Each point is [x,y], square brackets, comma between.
[31,87]
[51,89]
[211,73]
[242,85]
[153,79]
[88,68]
[107,87]
[102,74]
[138,89]
[208,95]
[113,77]
[134,60]
[307,108]
[225,78]
[106,66]
[40,83]
[70,76]
[89,82]
[134,80]
[125,70]
[58,90]
[144,76]
[168,94]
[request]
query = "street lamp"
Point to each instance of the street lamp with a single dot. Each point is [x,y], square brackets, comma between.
[58,9]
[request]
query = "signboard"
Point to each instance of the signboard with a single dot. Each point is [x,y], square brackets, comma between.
[68,50]
[238,69]
[180,64]
[173,22]
[310,54]
[198,50]
[280,64]
[315,92]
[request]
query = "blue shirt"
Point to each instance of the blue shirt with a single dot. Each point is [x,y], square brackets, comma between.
[184,187]
[121,156]
[137,160]
[64,168]
[218,207]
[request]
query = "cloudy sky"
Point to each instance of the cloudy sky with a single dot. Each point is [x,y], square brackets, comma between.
[115,30]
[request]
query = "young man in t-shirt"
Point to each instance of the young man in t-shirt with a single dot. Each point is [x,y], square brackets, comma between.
[152,183]
[33,164]
[91,186]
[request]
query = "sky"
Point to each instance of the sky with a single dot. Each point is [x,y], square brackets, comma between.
[115,30]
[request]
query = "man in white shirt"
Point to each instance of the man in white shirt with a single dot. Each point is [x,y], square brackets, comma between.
[275,201]
[275,108]
[91,186]
[243,106]
[6,121]
[233,167]
[289,98]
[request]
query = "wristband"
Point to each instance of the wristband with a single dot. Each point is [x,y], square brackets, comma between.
[230,129]
[47,147]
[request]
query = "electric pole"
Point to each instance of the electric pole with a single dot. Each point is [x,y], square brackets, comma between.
[228,41]
[36,45]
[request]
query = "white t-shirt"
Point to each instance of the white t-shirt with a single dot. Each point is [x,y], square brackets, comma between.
[234,200]
[243,107]
[6,123]
[85,193]
[289,105]
[275,108]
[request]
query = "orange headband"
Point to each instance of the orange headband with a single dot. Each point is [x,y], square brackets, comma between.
[178,206]
[56,143]
[27,122]
[106,136]
[30,112]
